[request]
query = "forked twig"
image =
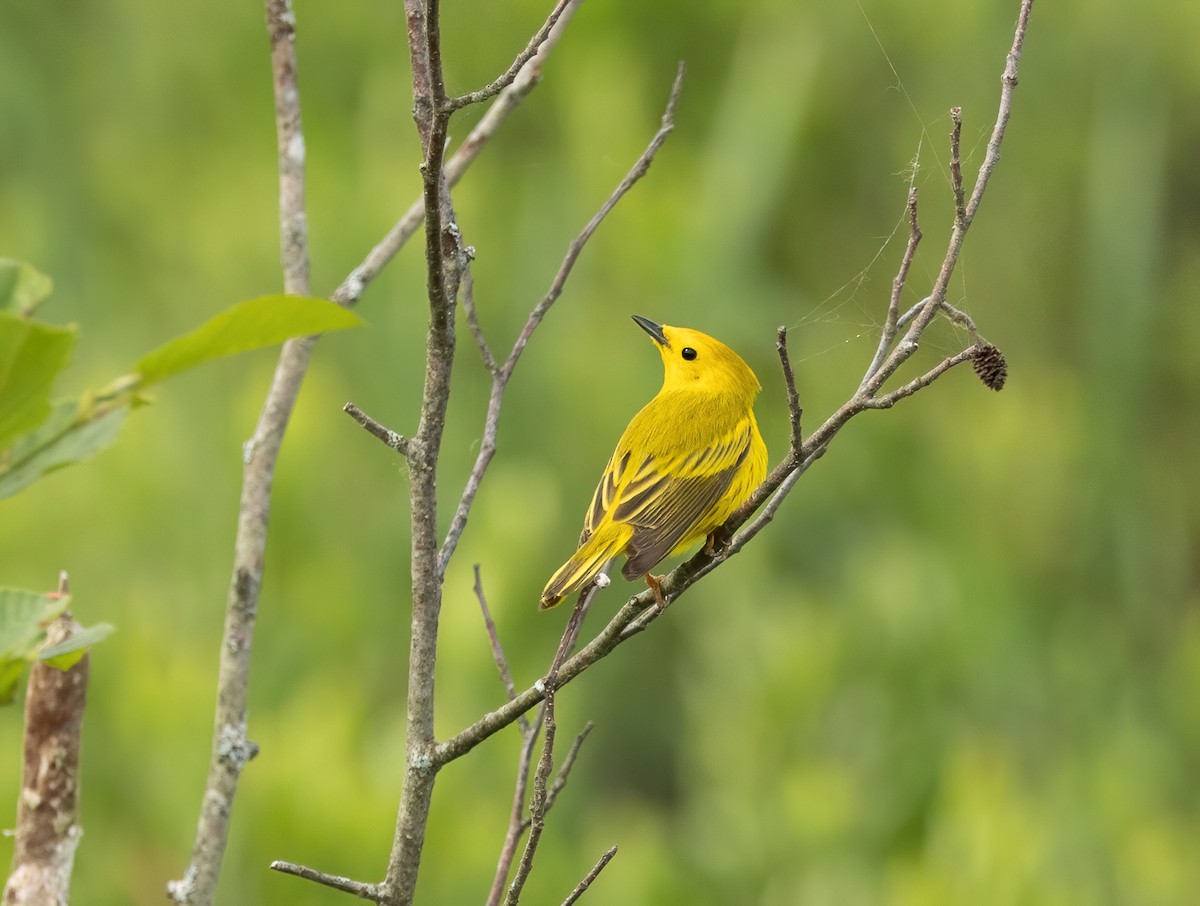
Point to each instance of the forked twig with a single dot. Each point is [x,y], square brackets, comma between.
[539,805]
[764,502]
[517,824]
[501,376]
[356,282]
[494,88]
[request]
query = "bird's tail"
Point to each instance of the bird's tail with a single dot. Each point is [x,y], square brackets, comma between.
[585,564]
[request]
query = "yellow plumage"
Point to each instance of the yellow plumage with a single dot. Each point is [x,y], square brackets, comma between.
[686,462]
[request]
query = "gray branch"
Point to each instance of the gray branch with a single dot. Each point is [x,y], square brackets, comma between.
[232,750]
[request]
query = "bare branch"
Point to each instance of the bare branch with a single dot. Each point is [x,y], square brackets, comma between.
[231,749]
[540,803]
[360,889]
[468,300]
[516,825]
[537,808]
[535,44]
[443,270]
[937,297]
[789,380]
[529,734]
[357,281]
[497,648]
[590,876]
[633,616]
[564,770]
[956,177]
[637,172]
[500,377]
[890,399]
[604,642]
[893,323]
[390,438]
[1008,84]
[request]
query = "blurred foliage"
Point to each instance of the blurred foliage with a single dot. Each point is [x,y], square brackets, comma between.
[964,663]
[37,438]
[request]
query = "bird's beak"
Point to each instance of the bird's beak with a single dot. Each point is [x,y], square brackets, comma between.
[655,330]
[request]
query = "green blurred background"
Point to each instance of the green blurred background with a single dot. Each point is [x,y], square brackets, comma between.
[963,666]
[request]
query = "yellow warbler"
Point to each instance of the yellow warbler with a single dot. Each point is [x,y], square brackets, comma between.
[688,460]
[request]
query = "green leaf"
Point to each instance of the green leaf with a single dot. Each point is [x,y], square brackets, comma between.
[31,356]
[69,652]
[11,671]
[248,325]
[23,616]
[22,287]
[64,438]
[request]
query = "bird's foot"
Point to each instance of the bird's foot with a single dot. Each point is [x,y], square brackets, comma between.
[718,542]
[655,584]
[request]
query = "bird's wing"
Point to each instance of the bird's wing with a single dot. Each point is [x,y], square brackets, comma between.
[666,497]
[606,493]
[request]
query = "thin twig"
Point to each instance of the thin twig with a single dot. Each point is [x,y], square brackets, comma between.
[638,170]
[956,177]
[937,297]
[890,399]
[360,889]
[893,322]
[357,281]
[564,770]
[232,749]
[631,617]
[500,377]
[795,413]
[468,300]
[591,876]
[390,438]
[497,649]
[903,320]
[538,806]
[516,824]
[1008,85]
[510,75]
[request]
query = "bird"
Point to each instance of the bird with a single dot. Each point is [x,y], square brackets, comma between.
[684,465]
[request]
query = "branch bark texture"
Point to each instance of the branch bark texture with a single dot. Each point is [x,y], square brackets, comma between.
[48,831]
[446,273]
[232,749]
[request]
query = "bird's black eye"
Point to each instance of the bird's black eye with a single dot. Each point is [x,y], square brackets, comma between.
[688,353]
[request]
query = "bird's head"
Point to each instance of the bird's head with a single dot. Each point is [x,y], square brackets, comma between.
[695,361]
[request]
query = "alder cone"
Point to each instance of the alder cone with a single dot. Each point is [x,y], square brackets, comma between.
[990,366]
